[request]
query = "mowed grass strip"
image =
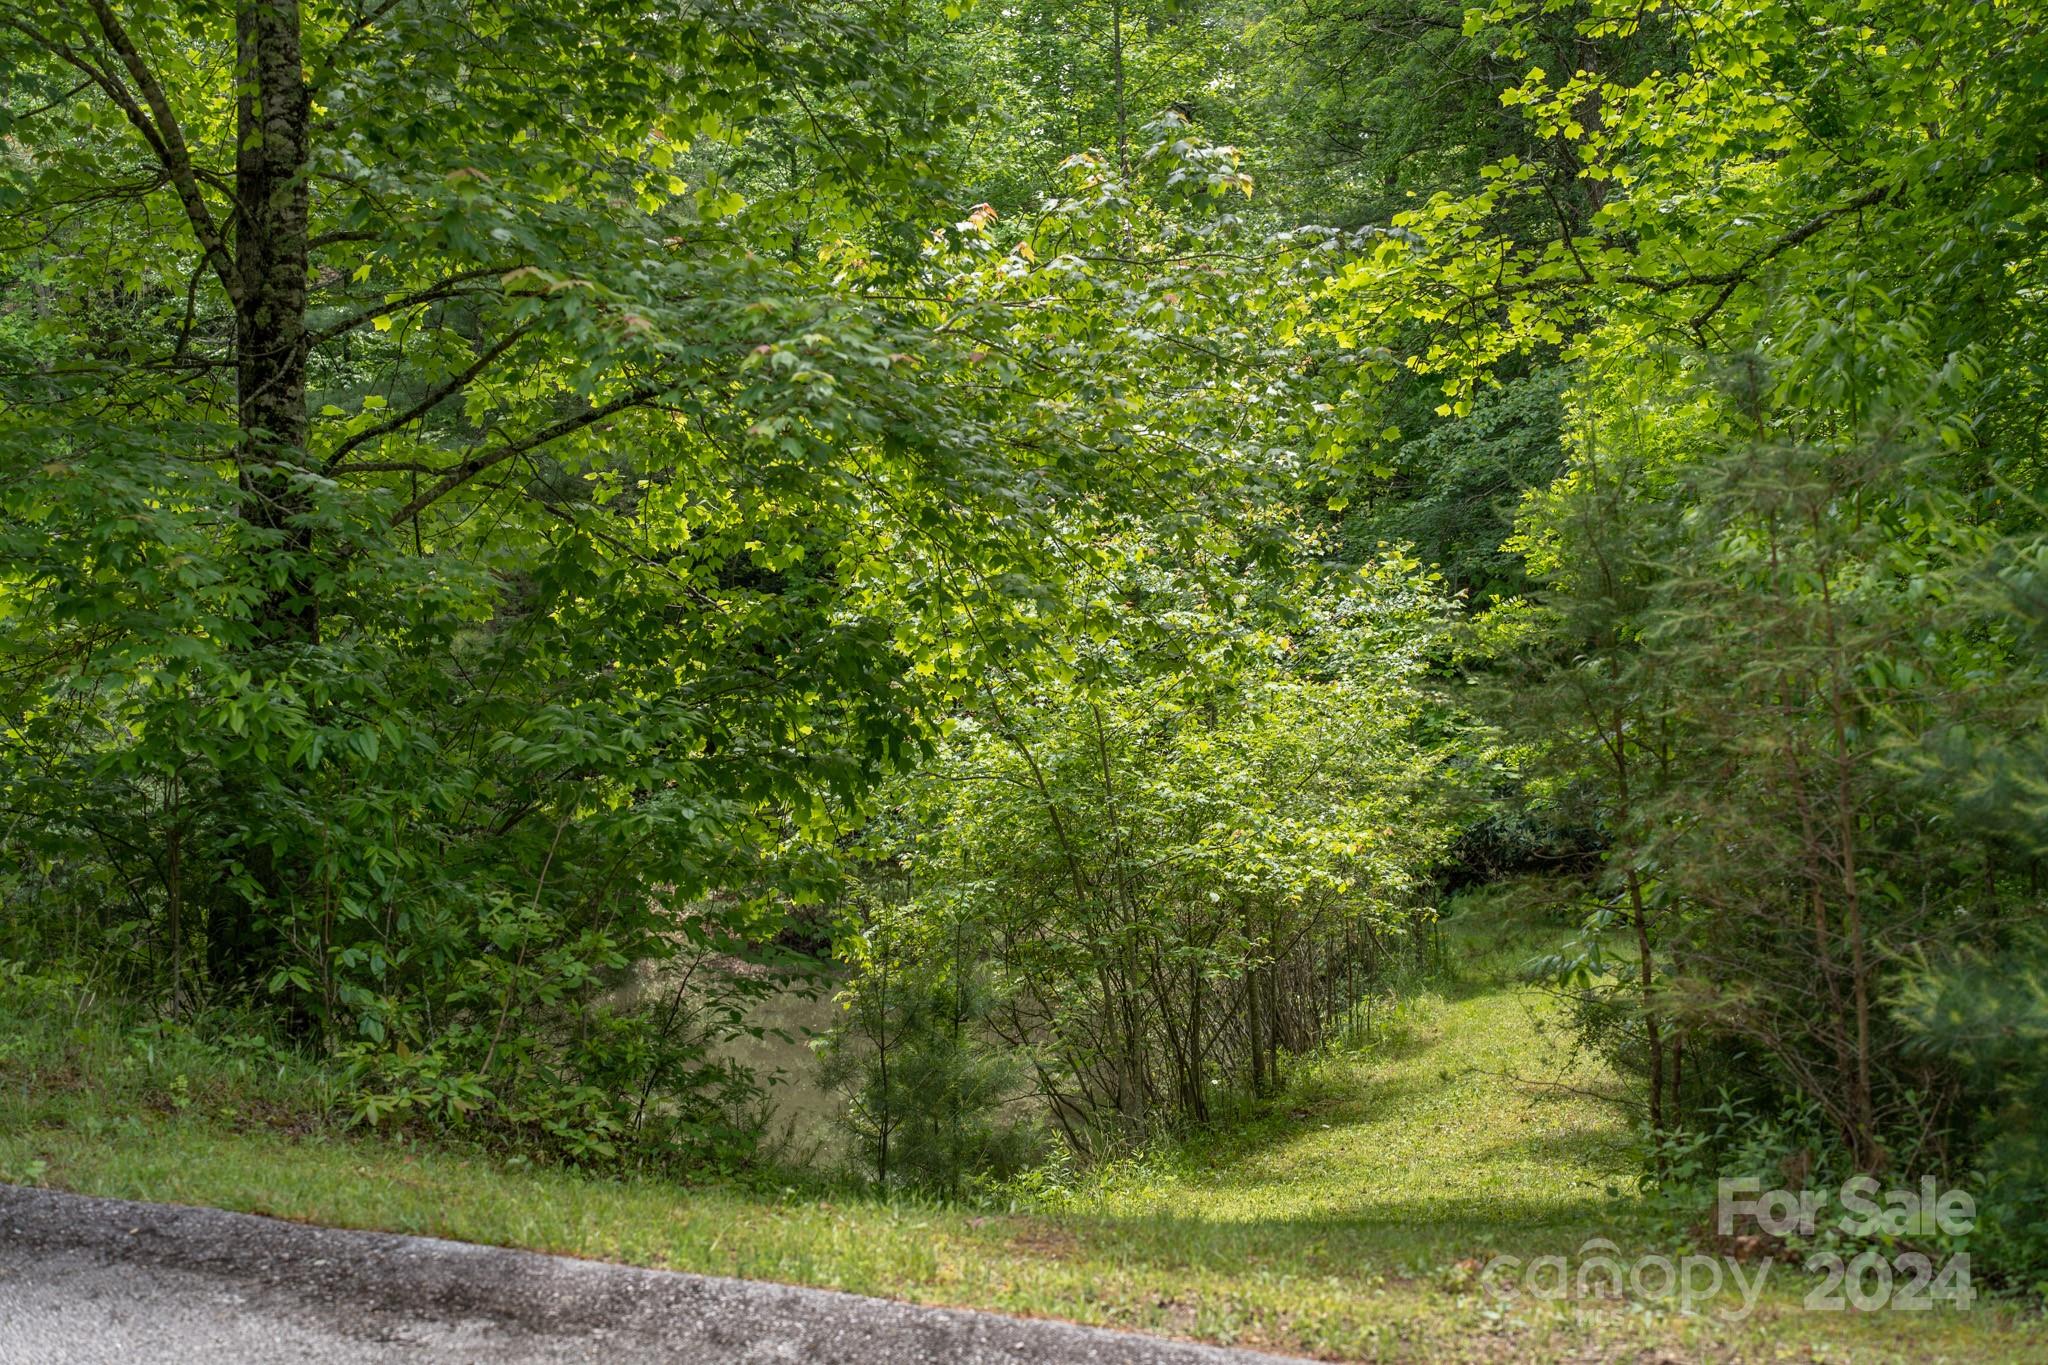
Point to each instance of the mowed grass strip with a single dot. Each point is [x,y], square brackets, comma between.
[1349,1221]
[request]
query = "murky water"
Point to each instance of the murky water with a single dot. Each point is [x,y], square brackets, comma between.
[804,1112]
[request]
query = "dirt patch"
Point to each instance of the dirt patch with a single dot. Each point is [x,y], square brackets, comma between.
[1044,1241]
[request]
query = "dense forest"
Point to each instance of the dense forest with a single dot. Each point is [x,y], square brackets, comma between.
[1075,530]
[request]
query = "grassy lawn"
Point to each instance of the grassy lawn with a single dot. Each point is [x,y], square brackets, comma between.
[1348,1223]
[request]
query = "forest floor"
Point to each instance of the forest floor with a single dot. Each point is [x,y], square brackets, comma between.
[1353,1220]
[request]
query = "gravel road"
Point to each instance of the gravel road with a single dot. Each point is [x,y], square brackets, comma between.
[105,1280]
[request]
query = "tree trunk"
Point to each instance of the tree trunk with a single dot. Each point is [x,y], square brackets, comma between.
[272,113]
[1653,1033]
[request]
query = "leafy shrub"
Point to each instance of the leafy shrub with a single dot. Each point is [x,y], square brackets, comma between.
[1182,861]
[1989,1013]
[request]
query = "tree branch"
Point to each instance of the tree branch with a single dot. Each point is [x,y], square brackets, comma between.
[164,137]
[470,468]
[1727,281]
[314,243]
[67,96]
[362,23]
[444,289]
[427,403]
[1869,199]
[1732,279]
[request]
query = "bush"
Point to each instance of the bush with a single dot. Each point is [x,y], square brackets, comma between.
[1180,861]
[1989,1014]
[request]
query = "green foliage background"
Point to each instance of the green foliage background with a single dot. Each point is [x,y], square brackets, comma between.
[515,523]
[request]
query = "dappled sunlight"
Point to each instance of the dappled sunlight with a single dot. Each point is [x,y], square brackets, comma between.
[1198,665]
[1440,1144]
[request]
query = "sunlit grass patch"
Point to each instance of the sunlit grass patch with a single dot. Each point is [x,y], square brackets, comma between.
[1348,1219]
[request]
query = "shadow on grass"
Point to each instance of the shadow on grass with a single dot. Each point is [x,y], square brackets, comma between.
[1406,1237]
[1553,1147]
